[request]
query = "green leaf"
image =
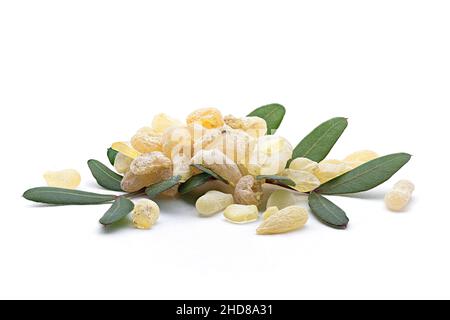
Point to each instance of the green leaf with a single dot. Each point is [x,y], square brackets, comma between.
[119,210]
[210,172]
[194,182]
[160,187]
[111,153]
[327,212]
[318,144]
[105,177]
[273,114]
[278,179]
[367,176]
[62,196]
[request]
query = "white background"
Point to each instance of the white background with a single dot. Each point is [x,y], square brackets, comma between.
[78,75]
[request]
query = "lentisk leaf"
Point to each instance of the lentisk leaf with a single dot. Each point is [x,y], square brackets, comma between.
[277,179]
[62,196]
[367,176]
[273,114]
[105,177]
[111,153]
[119,210]
[154,190]
[327,212]
[210,172]
[194,182]
[317,144]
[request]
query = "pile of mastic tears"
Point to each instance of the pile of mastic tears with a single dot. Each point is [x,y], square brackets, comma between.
[239,166]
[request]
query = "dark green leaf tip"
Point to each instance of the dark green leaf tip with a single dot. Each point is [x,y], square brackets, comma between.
[327,212]
[119,210]
[111,154]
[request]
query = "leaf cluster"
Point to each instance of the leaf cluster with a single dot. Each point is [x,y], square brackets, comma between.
[315,146]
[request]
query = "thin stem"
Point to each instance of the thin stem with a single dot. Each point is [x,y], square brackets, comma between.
[135,194]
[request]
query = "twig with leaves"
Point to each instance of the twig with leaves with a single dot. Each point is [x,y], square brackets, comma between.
[315,146]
